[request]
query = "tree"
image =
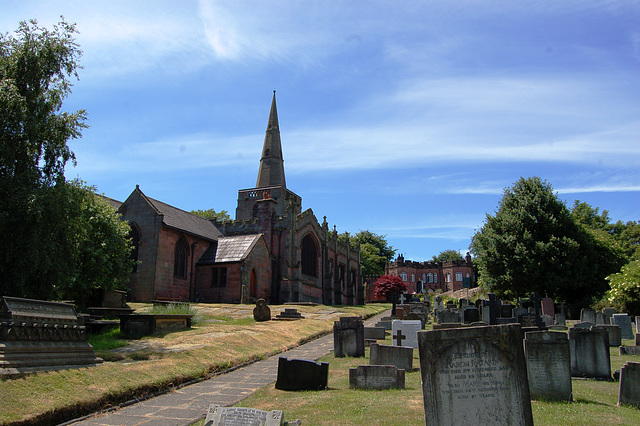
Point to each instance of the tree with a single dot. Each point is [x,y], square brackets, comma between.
[375,251]
[389,287]
[624,294]
[220,216]
[533,244]
[447,255]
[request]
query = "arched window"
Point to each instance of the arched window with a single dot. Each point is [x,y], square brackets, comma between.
[134,234]
[458,276]
[403,276]
[252,283]
[309,255]
[429,277]
[424,277]
[181,256]
[413,278]
[435,277]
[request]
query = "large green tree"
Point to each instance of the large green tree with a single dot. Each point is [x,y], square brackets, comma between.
[220,216]
[447,255]
[532,243]
[375,251]
[56,239]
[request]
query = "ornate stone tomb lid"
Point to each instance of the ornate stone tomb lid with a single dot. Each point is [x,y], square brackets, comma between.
[37,310]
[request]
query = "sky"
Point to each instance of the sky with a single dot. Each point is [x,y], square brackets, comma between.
[408,119]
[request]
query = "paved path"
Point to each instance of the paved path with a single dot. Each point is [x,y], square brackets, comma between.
[189,403]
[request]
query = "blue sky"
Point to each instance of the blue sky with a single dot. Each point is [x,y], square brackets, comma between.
[407,119]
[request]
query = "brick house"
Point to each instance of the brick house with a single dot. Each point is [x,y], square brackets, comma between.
[273,249]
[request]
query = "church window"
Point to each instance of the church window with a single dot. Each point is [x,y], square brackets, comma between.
[413,278]
[429,277]
[458,276]
[219,277]
[309,255]
[403,276]
[181,255]
[134,234]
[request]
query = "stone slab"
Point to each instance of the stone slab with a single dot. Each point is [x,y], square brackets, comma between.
[629,390]
[240,416]
[376,377]
[399,356]
[548,365]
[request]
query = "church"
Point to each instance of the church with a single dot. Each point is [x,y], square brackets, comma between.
[272,250]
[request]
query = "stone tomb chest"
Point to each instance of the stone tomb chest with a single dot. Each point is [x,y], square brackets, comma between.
[474,376]
[138,325]
[37,335]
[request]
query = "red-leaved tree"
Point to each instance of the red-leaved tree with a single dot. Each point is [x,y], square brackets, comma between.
[389,287]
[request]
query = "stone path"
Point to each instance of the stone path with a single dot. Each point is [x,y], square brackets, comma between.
[189,403]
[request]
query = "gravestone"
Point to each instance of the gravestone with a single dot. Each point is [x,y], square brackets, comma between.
[547,307]
[629,350]
[506,310]
[490,310]
[348,337]
[519,311]
[375,333]
[624,322]
[474,376]
[607,313]
[289,314]
[637,339]
[586,325]
[301,374]
[629,391]
[376,377]
[548,365]
[405,333]
[37,335]
[588,315]
[561,319]
[447,316]
[637,324]
[470,315]
[527,320]
[399,356]
[261,312]
[415,316]
[590,352]
[234,416]
[138,325]
[615,335]
[599,318]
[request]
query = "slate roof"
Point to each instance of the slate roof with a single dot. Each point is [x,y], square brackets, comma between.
[113,203]
[229,249]
[185,221]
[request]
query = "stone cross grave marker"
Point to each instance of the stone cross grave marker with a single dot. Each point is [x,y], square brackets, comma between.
[474,376]
[236,416]
[629,391]
[405,333]
[548,365]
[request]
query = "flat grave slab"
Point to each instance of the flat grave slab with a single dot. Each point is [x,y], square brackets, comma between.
[237,416]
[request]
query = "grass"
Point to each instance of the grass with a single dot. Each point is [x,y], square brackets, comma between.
[595,402]
[153,363]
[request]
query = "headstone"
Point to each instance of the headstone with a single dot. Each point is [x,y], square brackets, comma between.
[586,325]
[400,356]
[438,303]
[547,307]
[629,391]
[506,310]
[348,337]
[607,313]
[223,416]
[301,374]
[37,335]
[470,315]
[519,311]
[615,335]
[474,376]
[637,324]
[624,322]
[561,319]
[450,305]
[588,315]
[405,333]
[414,316]
[289,314]
[261,312]
[548,365]
[377,377]
[637,339]
[527,319]
[629,350]
[447,316]
[377,333]
[492,306]
[590,353]
[599,318]
[548,320]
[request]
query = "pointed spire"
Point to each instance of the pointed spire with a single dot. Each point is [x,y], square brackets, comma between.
[271,172]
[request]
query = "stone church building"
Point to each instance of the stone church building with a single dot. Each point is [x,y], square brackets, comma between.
[272,250]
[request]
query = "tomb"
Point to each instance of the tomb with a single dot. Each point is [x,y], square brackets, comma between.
[548,365]
[289,314]
[348,337]
[219,416]
[474,375]
[261,312]
[37,335]
[301,375]
[399,356]
[139,325]
[590,353]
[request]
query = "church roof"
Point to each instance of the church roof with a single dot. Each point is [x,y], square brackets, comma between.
[185,221]
[229,249]
[271,172]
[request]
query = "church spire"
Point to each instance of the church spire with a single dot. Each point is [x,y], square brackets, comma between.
[271,172]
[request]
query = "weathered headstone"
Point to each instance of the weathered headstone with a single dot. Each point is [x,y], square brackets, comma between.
[637,339]
[588,315]
[608,313]
[377,377]
[548,365]
[415,316]
[348,337]
[301,374]
[615,335]
[629,350]
[377,333]
[629,391]
[527,319]
[561,319]
[470,314]
[490,310]
[637,324]
[400,356]
[233,416]
[624,322]
[37,335]
[405,333]
[261,312]
[590,352]
[547,307]
[506,310]
[599,318]
[447,316]
[474,376]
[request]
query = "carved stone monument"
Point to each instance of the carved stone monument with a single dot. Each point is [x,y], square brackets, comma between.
[348,337]
[261,312]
